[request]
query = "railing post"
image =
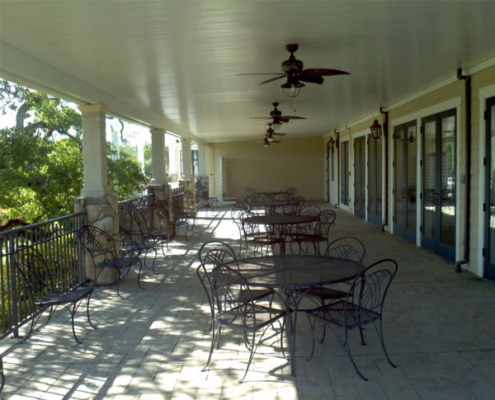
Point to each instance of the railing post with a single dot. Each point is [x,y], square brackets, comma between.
[13,288]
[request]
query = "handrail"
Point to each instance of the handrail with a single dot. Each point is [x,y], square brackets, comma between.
[55,240]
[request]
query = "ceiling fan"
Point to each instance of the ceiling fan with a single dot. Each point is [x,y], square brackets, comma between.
[277,117]
[295,74]
[270,140]
[270,132]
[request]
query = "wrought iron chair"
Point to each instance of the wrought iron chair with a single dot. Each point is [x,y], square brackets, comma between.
[237,215]
[214,253]
[102,249]
[136,241]
[310,236]
[249,316]
[43,291]
[2,375]
[261,240]
[363,305]
[180,216]
[347,248]
[160,236]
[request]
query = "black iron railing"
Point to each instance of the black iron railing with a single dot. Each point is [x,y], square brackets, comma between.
[144,204]
[56,240]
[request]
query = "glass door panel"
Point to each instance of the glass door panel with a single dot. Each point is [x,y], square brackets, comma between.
[439,204]
[410,186]
[490,190]
[359,177]
[344,173]
[447,189]
[379,161]
[399,184]
[430,183]
[374,180]
[405,142]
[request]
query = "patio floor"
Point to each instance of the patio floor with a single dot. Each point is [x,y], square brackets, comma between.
[439,330]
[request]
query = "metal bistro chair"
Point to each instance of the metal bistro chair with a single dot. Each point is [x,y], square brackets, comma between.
[247,316]
[347,248]
[43,291]
[161,236]
[136,241]
[103,251]
[260,239]
[310,236]
[214,253]
[237,215]
[363,305]
[180,217]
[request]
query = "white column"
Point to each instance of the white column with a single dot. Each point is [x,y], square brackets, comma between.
[187,160]
[158,156]
[94,151]
[201,160]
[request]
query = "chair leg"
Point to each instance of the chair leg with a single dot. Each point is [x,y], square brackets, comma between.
[349,354]
[73,313]
[87,311]
[312,323]
[382,341]
[118,283]
[154,260]
[139,274]
[212,347]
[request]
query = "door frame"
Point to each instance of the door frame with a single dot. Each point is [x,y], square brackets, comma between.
[435,244]
[350,181]
[484,94]
[455,102]
[359,135]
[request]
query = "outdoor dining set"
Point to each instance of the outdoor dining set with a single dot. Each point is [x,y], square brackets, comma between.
[287,263]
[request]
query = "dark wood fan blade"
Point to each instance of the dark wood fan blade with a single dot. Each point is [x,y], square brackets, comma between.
[275,141]
[311,79]
[289,117]
[312,72]
[260,117]
[273,79]
[263,73]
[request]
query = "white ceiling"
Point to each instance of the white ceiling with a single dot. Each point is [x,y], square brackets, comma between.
[174,64]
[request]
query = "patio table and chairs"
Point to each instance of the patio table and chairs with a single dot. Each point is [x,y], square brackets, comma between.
[287,275]
[279,225]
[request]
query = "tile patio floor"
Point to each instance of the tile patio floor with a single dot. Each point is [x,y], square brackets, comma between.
[439,330]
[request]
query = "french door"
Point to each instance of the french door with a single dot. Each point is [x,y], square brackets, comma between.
[344,173]
[374,180]
[404,192]
[439,185]
[490,190]
[360,177]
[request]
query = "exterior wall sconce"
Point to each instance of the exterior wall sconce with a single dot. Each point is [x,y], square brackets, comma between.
[376,130]
[411,136]
[331,144]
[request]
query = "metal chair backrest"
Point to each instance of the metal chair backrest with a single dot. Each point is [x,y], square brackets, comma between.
[369,289]
[96,241]
[226,284]
[141,221]
[310,209]
[36,274]
[347,247]
[327,217]
[216,251]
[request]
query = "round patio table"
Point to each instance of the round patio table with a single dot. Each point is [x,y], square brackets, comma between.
[281,223]
[291,276]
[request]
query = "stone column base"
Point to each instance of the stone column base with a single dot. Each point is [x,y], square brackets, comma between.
[102,212]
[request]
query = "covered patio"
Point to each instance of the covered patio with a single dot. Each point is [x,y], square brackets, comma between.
[439,329]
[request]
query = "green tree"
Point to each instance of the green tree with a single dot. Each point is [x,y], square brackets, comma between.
[41,164]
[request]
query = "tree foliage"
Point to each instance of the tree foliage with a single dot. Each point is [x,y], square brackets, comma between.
[41,164]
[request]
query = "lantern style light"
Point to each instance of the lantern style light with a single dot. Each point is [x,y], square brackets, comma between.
[376,130]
